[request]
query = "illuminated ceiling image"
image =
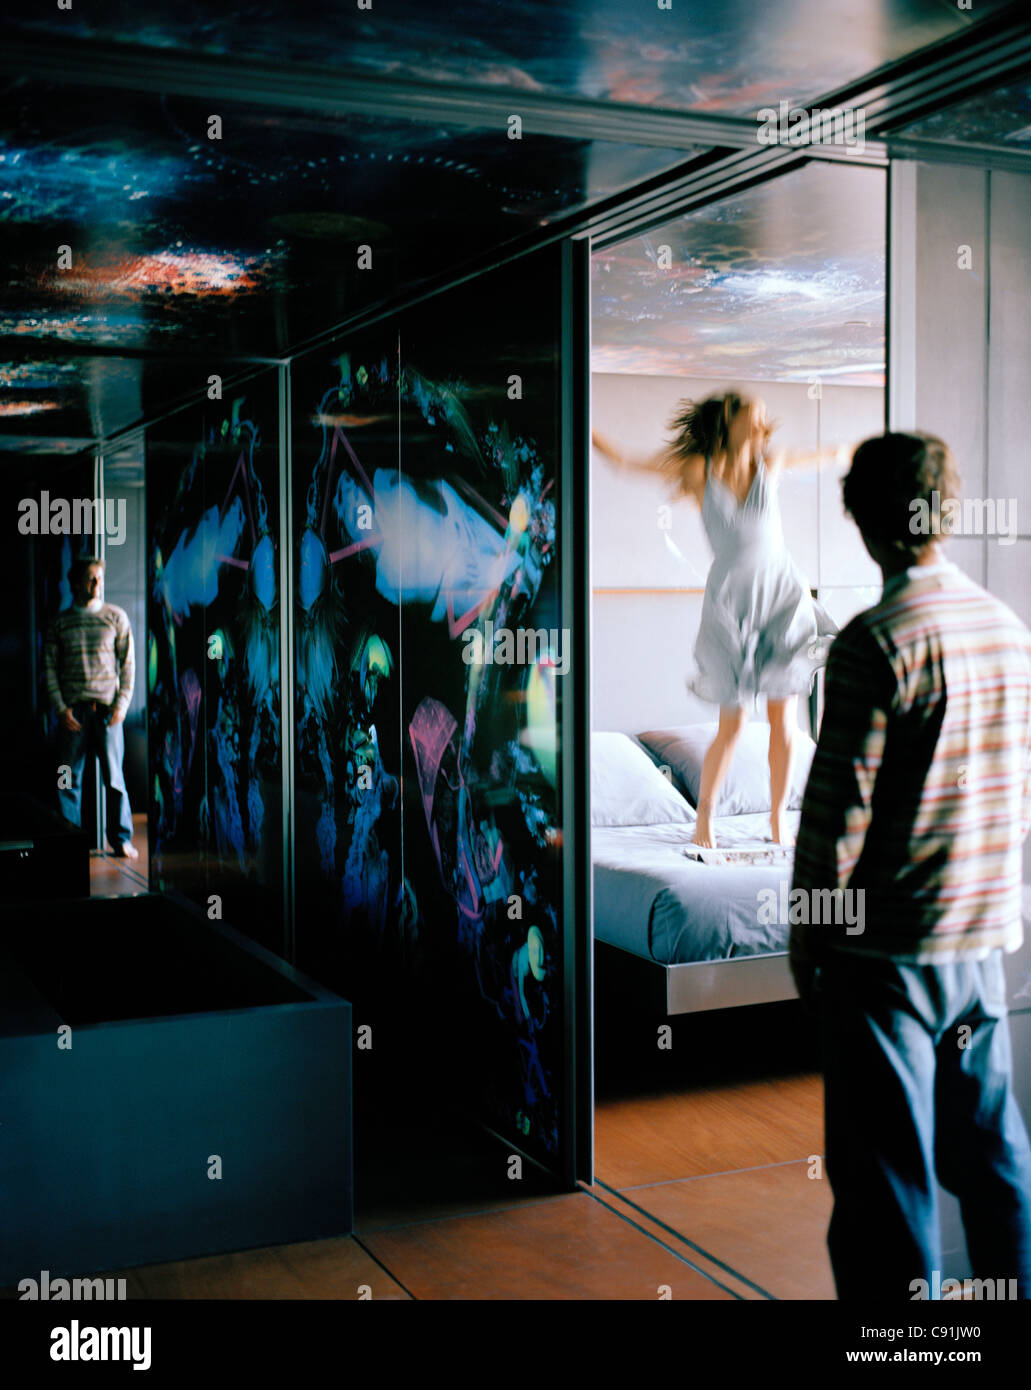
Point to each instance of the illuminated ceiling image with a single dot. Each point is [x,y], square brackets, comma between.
[781,283]
[365,158]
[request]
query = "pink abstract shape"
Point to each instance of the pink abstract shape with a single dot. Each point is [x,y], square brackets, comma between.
[192,695]
[457,625]
[370,539]
[340,438]
[240,467]
[462,486]
[431,731]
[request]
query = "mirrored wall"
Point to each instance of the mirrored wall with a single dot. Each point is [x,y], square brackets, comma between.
[387,810]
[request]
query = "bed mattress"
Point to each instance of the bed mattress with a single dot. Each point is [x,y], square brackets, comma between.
[650,898]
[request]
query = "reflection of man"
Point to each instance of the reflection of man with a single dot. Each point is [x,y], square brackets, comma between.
[919,799]
[90,666]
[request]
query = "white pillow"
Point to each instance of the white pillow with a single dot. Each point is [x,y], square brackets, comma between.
[628,789]
[746,787]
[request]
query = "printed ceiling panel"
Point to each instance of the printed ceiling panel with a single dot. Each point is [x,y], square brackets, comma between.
[782,283]
[706,55]
[47,400]
[1001,119]
[248,245]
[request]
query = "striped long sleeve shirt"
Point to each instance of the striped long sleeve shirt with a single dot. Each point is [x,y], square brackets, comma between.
[89,656]
[920,788]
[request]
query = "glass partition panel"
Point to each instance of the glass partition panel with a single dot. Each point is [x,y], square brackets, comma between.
[212,659]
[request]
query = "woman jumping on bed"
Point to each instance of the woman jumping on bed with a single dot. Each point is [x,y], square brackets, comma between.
[761,632]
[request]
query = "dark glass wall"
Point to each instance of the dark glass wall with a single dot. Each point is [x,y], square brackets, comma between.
[352,928]
[212,663]
[34,564]
[430,649]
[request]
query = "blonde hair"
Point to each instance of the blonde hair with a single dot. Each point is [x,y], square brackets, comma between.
[702,427]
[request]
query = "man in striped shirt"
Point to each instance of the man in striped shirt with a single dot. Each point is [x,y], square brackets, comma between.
[90,668]
[918,802]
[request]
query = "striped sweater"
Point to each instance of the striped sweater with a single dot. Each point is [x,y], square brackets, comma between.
[919,792]
[89,656]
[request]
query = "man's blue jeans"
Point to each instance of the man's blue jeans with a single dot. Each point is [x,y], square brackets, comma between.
[107,741]
[917,1069]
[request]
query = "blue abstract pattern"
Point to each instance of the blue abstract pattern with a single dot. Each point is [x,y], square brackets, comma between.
[428,829]
[213,665]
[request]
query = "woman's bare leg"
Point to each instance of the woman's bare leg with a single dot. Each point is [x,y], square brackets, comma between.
[714,768]
[782,725]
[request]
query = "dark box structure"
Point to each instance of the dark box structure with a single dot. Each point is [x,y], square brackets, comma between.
[41,854]
[193,1052]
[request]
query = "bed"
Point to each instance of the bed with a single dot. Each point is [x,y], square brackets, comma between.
[693,935]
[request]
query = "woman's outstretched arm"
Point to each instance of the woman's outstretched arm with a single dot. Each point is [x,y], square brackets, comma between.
[644,463]
[808,458]
[685,473]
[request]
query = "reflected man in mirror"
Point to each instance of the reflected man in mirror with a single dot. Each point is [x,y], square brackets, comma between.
[90,666]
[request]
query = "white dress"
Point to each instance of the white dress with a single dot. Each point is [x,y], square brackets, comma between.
[761,633]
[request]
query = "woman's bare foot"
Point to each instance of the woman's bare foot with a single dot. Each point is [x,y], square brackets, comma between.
[703,835]
[780,831]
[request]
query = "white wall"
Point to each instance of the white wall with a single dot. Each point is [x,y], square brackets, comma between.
[648,566]
[961,348]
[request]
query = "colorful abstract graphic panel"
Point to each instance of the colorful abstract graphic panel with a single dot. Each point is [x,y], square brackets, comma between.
[212,662]
[430,651]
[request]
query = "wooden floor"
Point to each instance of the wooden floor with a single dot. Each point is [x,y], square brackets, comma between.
[707,1185]
[119,878]
[719,1140]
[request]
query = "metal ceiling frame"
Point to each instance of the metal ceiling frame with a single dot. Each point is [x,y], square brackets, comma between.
[951,152]
[339,92]
[25,345]
[975,61]
[980,57]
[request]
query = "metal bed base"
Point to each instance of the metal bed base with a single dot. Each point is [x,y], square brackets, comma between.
[696,987]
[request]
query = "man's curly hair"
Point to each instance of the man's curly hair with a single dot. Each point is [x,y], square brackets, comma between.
[891,475]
